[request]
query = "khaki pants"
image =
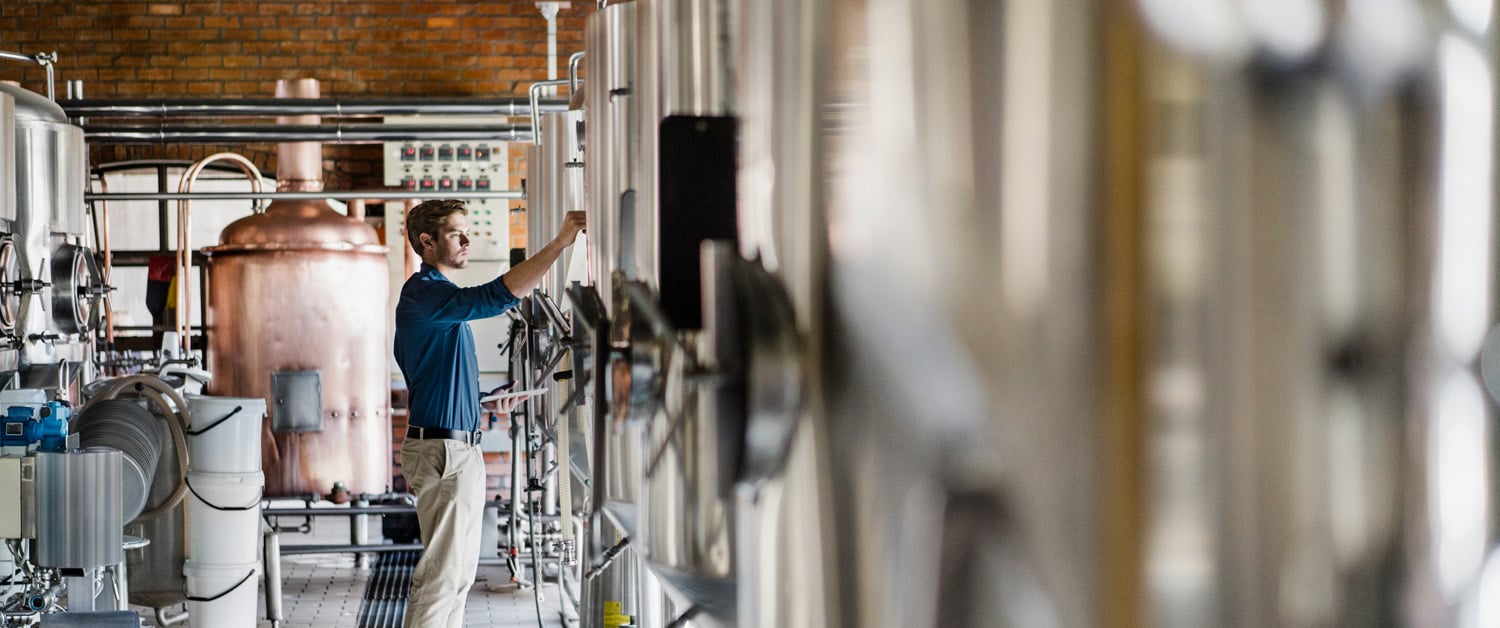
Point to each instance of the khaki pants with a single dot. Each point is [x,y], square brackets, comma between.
[448,479]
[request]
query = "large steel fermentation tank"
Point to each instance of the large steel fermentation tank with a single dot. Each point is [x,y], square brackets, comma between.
[784,566]
[610,157]
[692,437]
[303,288]
[56,303]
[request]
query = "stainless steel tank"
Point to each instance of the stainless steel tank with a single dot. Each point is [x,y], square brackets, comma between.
[51,165]
[1190,330]
[609,139]
[693,437]
[609,106]
[785,569]
[301,288]
[556,186]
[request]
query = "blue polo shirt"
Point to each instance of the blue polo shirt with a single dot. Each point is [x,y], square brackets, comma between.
[435,347]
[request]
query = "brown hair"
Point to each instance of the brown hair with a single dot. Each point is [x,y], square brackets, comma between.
[428,217]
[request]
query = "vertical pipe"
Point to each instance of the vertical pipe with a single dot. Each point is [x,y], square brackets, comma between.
[272,559]
[359,532]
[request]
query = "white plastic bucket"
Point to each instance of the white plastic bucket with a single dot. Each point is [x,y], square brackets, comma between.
[221,596]
[224,517]
[225,435]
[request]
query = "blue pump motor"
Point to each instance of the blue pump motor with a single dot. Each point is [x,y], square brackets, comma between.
[47,425]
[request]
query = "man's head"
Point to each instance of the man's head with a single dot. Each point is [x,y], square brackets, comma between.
[439,231]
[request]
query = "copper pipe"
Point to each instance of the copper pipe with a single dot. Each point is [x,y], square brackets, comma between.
[184,250]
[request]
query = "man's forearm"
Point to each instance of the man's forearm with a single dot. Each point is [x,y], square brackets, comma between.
[524,277]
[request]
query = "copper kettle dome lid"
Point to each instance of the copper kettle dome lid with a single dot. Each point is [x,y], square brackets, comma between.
[298,224]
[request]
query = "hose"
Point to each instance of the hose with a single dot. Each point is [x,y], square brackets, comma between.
[158,393]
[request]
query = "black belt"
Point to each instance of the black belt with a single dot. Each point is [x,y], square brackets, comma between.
[423,433]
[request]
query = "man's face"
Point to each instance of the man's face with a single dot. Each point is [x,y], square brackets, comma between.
[451,246]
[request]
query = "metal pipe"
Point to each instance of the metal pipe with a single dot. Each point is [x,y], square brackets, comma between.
[184,244]
[549,13]
[338,512]
[272,559]
[44,59]
[163,620]
[535,113]
[573,61]
[357,208]
[337,133]
[359,533]
[297,550]
[42,600]
[607,558]
[335,195]
[327,107]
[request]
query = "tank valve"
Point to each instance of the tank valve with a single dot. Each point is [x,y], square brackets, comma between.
[31,285]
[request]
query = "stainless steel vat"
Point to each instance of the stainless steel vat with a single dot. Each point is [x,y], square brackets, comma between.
[785,569]
[961,394]
[609,140]
[50,169]
[610,135]
[301,287]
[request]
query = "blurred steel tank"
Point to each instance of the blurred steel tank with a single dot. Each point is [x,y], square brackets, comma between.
[297,290]
[785,569]
[693,435]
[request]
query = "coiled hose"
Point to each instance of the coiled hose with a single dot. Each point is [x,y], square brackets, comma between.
[174,411]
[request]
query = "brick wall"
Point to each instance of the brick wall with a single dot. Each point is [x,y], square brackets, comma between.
[210,48]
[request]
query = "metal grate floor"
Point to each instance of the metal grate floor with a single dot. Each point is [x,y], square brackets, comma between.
[328,591]
[385,594]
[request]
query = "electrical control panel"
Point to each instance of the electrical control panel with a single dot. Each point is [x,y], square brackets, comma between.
[432,169]
[18,493]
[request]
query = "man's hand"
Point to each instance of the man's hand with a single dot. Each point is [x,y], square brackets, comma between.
[500,406]
[572,223]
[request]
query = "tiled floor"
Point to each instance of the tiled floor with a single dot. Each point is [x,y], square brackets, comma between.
[326,590]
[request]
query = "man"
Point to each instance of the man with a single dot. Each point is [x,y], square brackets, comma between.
[435,350]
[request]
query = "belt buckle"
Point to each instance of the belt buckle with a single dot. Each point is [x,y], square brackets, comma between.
[475,436]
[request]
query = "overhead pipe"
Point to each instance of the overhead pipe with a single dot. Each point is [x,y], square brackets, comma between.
[573,61]
[328,133]
[326,107]
[368,195]
[536,89]
[44,59]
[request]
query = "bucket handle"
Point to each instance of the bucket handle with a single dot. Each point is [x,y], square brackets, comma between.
[215,424]
[226,591]
[254,504]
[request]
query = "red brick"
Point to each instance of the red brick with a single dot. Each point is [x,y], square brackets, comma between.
[165,9]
